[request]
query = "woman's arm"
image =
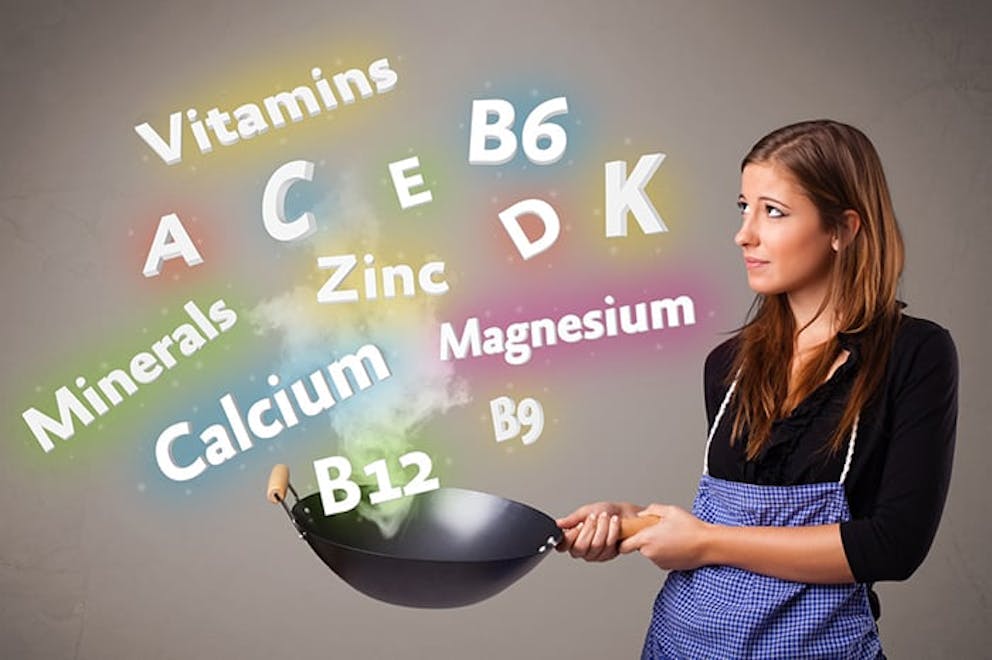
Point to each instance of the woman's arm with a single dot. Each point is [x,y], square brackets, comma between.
[892,542]
[680,541]
[811,554]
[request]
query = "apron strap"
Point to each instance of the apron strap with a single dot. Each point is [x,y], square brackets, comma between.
[716,423]
[723,408]
[850,448]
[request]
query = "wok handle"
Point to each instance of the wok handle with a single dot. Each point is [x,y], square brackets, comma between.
[630,526]
[276,492]
[278,483]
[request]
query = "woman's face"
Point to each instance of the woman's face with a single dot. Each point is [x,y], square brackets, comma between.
[785,248]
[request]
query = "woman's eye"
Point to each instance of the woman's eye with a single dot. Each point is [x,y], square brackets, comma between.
[774,212]
[742,206]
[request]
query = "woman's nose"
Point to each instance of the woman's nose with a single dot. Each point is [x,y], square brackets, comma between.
[745,235]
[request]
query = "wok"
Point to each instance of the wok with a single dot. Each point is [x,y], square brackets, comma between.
[455,547]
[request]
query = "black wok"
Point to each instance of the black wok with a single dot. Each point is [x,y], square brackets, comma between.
[455,547]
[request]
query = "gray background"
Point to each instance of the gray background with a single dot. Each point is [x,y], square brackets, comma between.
[92,567]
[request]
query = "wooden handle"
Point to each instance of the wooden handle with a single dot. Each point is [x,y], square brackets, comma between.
[630,526]
[278,481]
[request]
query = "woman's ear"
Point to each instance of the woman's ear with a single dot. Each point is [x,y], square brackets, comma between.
[849,226]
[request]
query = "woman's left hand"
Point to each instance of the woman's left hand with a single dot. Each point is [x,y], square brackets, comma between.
[676,542]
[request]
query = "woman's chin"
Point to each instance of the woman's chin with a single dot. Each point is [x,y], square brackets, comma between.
[764,289]
[761,286]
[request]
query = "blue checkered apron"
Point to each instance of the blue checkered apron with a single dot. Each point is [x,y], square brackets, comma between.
[726,612]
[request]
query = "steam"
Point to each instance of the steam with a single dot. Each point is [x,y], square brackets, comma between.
[379,423]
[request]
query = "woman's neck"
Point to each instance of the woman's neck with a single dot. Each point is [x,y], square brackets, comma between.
[822,328]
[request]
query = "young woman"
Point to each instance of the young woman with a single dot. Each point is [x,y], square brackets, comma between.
[832,421]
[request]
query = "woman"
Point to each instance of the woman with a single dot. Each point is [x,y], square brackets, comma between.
[832,422]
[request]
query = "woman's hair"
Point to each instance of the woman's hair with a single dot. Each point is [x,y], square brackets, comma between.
[839,170]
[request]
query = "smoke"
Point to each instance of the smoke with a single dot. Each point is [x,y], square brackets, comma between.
[379,423]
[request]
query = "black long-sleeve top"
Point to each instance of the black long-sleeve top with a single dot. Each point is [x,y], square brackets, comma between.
[899,474]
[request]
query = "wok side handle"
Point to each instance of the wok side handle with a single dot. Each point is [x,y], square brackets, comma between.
[630,526]
[278,482]
[276,491]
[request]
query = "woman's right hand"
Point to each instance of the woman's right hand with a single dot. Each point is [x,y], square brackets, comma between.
[592,532]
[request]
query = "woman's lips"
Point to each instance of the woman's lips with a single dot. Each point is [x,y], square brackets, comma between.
[754,263]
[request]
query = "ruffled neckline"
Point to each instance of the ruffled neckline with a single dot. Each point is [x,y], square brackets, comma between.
[787,431]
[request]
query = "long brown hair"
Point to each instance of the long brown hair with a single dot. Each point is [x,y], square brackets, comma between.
[839,169]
